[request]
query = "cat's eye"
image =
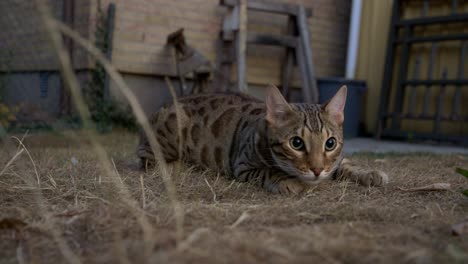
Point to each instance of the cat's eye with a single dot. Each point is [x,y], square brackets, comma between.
[296,143]
[330,144]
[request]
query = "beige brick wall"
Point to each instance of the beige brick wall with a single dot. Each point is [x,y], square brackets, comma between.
[143,25]
[23,44]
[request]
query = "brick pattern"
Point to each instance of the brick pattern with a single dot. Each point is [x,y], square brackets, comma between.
[142,27]
[23,44]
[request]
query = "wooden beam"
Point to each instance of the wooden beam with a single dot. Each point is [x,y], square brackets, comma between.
[230,24]
[272,40]
[306,89]
[288,61]
[312,95]
[69,19]
[241,46]
[224,58]
[278,8]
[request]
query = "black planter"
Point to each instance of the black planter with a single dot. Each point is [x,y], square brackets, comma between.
[354,102]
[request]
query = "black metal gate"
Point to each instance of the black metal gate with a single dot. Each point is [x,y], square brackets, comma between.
[428,95]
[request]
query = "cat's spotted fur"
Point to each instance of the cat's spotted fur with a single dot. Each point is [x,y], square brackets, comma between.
[282,147]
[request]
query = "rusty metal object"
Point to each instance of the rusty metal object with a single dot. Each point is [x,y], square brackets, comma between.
[190,61]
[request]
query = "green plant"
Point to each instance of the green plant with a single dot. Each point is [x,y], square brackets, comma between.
[105,112]
[7,113]
[7,116]
[464,173]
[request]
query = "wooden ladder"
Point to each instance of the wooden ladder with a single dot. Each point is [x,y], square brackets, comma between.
[234,39]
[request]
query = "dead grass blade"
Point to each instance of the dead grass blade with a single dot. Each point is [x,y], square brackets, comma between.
[139,114]
[244,216]
[192,238]
[56,40]
[171,187]
[143,195]
[17,154]
[71,80]
[20,255]
[429,188]
[343,194]
[211,189]
[31,159]
[71,213]
[179,112]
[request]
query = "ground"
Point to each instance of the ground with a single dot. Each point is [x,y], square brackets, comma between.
[78,213]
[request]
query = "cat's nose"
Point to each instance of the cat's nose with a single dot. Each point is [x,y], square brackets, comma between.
[317,171]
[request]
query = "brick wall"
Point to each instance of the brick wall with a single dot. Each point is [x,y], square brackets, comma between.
[24,45]
[143,25]
[141,28]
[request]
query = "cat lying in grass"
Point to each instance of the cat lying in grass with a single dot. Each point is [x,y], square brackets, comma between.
[281,147]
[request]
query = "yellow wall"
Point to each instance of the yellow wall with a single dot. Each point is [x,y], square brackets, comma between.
[373,44]
[375,22]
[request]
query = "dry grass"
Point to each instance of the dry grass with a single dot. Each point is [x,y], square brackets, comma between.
[225,221]
[78,198]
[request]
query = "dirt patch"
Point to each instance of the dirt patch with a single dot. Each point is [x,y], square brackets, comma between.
[79,214]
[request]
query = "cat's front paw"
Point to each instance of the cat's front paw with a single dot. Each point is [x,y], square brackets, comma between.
[373,178]
[291,187]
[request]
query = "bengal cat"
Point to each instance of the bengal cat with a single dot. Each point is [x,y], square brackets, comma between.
[281,147]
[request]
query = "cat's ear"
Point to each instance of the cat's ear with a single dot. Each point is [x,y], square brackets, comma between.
[335,107]
[277,107]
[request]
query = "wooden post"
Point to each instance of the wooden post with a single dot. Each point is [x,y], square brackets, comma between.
[235,33]
[226,51]
[109,41]
[241,47]
[310,96]
[223,79]
[288,63]
[300,58]
[68,18]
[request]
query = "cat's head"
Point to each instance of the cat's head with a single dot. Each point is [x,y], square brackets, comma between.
[306,140]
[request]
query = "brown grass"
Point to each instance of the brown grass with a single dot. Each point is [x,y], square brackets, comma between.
[53,28]
[78,198]
[225,221]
